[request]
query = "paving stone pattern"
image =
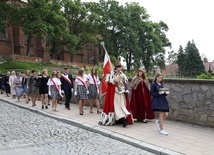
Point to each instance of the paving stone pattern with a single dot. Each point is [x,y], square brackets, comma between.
[26,133]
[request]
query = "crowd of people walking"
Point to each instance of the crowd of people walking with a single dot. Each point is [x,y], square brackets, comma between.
[123,101]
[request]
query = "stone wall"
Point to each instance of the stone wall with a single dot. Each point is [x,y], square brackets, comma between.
[191,101]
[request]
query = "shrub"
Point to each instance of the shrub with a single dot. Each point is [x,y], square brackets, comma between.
[205,76]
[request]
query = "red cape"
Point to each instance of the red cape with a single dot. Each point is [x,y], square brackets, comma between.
[141,103]
[109,103]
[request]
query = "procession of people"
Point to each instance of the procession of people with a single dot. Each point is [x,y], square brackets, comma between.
[124,102]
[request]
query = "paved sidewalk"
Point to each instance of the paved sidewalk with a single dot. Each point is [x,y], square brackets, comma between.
[182,139]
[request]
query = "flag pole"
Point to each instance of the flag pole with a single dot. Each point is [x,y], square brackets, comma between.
[106,53]
[102,43]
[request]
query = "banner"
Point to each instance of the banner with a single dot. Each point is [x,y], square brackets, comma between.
[107,68]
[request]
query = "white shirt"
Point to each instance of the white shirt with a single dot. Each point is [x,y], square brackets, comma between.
[91,81]
[66,74]
[11,79]
[79,82]
[56,80]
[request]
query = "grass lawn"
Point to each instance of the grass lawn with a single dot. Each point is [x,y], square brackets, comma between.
[18,66]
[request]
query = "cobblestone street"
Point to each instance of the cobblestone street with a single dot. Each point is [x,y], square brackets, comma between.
[26,133]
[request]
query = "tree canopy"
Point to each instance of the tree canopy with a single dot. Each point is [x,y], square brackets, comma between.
[172,57]
[189,61]
[126,29]
[6,15]
[128,33]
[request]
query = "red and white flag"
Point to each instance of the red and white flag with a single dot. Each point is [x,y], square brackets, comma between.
[107,68]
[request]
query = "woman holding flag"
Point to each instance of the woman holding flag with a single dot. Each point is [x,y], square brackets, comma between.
[116,107]
[93,88]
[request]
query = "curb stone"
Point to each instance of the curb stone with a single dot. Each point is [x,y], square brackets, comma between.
[107,133]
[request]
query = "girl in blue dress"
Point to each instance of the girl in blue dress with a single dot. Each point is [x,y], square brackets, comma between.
[159,102]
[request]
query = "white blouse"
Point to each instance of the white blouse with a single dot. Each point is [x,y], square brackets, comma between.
[79,82]
[56,80]
[91,81]
[11,80]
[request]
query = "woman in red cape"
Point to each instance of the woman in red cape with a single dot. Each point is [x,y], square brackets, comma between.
[116,106]
[140,104]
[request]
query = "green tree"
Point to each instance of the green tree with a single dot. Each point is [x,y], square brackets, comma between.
[204,58]
[108,16]
[127,32]
[194,64]
[128,39]
[153,42]
[181,61]
[81,24]
[172,57]
[8,14]
[4,7]
[32,20]
[58,29]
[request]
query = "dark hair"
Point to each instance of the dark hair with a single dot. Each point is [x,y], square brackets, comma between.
[157,75]
[95,71]
[33,71]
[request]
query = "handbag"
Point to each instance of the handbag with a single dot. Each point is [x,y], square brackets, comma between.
[38,83]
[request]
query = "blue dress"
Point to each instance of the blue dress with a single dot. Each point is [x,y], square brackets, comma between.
[159,102]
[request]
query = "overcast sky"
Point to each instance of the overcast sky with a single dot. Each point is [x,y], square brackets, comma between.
[186,19]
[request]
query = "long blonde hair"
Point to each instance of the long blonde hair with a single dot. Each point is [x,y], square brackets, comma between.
[54,73]
[81,73]
[43,71]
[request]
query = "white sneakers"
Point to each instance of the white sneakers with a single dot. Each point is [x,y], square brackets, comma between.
[162,132]
[157,125]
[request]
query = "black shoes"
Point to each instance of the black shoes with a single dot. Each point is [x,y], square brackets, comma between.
[46,107]
[81,112]
[99,112]
[124,123]
[67,107]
